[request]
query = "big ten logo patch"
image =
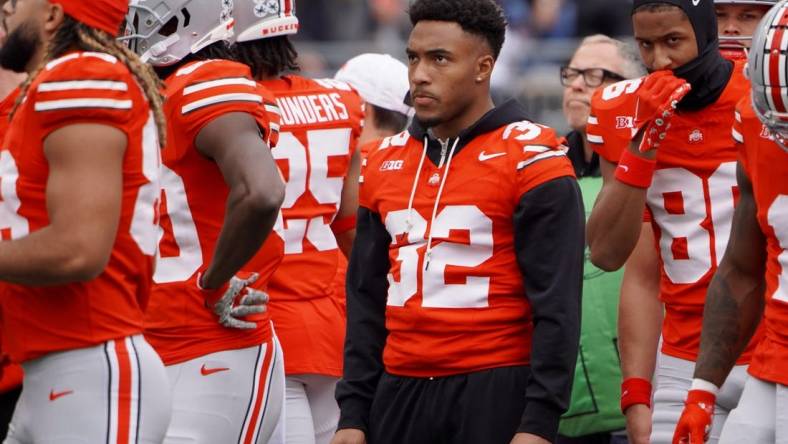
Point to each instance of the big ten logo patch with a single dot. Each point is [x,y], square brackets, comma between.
[392,165]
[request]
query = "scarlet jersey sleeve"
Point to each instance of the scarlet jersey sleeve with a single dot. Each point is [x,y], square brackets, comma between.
[83,88]
[203,91]
[609,128]
[737,132]
[540,155]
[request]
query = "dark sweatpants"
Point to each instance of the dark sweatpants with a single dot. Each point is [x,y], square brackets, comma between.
[484,407]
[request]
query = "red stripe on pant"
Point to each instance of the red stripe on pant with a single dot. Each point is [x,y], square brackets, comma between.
[260,398]
[124,391]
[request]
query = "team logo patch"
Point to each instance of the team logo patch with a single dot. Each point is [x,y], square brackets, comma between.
[765,133]
[696,136]
[392,165]
[624,122]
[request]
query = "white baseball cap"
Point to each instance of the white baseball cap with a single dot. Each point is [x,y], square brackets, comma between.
[380,79]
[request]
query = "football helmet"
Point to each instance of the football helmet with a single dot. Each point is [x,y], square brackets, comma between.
[260,19]
[163,32]
[767,69]
[733,43]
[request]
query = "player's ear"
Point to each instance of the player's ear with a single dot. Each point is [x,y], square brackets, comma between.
[484,67]
[53,17]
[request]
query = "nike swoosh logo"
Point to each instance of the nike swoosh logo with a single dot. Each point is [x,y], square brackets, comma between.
[53,395]
[483,156]
[695,2]
[209,371]
[624,167]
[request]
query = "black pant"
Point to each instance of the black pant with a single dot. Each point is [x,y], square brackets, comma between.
[484,407]
[7,406]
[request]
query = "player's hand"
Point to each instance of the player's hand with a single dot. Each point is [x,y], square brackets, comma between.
[349,436]
[695,422]
[657,101]
[528,438]
[238,300]
[639,424]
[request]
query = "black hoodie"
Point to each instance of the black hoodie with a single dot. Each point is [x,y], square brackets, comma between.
[550,222]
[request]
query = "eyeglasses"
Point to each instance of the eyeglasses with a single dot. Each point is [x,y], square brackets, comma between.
[592,77]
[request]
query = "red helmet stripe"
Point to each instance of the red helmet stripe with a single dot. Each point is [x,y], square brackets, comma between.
[777,66]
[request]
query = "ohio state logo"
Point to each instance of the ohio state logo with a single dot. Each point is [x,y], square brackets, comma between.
[696,136]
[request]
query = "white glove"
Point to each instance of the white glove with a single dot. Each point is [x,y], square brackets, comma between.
[230,309]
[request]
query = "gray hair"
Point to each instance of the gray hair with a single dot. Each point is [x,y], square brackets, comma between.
[633,67]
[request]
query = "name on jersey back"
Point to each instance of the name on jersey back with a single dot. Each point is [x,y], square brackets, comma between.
[312,109]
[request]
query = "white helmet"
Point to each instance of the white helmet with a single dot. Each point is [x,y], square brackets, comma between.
[163,32]
[767,69]
[260,19]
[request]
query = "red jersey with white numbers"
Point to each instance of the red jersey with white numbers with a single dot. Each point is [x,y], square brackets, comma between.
[766,165]
[79,88]
[690,201]
[471,295]
[178,325]
[321,123]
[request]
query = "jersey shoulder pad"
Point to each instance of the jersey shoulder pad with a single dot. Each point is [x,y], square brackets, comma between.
[612,116]
[617,97]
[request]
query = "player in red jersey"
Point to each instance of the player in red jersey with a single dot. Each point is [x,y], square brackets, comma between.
[737,20]
[317,153]
[683,173]
[80,192]
[464,282]
[752,280]
[222,193]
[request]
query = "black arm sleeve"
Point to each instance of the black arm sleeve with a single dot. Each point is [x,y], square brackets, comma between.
[367,287]
[550,244]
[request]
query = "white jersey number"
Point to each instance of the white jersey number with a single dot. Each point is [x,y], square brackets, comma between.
[681,203]
[436,292]
[778,220]
[308,170]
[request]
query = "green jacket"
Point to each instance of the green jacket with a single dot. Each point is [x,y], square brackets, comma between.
[596,391]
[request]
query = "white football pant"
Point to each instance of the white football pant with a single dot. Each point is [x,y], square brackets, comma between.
[233,396]
[674,378]
[761,416]
[116,393]
[312,410]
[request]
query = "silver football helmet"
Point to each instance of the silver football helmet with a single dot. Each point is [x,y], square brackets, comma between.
[767,69]
[163,32]
[733,43]
[260,19]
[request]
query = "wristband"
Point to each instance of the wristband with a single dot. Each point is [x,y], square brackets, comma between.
[706,386]
[343,225]
[635,171]
[635,391]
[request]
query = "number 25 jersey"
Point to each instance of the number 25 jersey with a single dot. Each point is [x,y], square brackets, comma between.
[690,201]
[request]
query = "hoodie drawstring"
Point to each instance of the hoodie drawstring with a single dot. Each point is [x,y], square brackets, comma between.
[409,221]
[428,254]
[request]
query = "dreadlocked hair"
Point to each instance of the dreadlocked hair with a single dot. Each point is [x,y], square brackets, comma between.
[72,33]
[268,57]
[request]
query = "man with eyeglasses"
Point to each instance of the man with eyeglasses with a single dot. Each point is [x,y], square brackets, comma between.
[594,415]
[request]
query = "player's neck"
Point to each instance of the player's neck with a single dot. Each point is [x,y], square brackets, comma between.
[471,115]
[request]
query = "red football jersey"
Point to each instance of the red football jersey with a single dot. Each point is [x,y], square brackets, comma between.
[690,201]
[81,87]
[471,296]
[178,325]
[766,165]
[321,123]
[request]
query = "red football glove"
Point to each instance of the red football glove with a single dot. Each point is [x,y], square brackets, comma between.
[695,422]
[657,100]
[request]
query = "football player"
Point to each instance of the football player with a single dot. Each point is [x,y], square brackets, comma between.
[683,173]
[222,193]
[317,153]
[79,167]
[736,23]
[752,280]
[464,281]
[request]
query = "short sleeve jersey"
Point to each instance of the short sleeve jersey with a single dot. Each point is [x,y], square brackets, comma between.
[178,325]
[690,201]
[80,88]
[766,165]
[321,124]
[466,308]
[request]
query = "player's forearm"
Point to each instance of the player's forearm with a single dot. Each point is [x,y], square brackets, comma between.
[249,219]
[345,241]
[614,225]
[734,304]
[49,257]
